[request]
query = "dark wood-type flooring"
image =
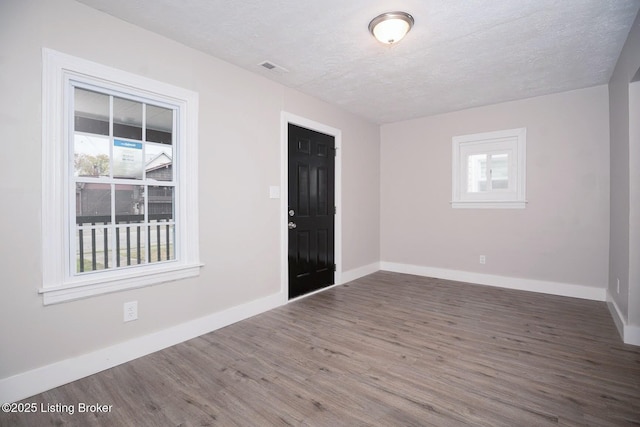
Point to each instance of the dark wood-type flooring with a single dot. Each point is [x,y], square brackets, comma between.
[385,350]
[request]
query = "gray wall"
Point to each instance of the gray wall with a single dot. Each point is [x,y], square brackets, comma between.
[625,191]
[239,126]
[561,236]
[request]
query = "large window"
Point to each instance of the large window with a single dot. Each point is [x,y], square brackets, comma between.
[489,170]
[120,180]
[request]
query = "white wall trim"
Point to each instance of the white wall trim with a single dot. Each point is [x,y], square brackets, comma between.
[41,379]
[356,273]
[616,314]
[541,286]
[61,72]
[38,380]
[513,141]
[630,334]
[285,119]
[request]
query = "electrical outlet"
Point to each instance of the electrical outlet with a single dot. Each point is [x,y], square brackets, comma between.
[483,259]
[130,311]
[618,289]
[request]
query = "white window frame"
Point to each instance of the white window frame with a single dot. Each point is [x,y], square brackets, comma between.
[511,141]
[59,283]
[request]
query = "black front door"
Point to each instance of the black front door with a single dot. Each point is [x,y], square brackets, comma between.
[311,215]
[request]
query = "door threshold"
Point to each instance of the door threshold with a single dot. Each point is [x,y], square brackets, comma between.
[299,297]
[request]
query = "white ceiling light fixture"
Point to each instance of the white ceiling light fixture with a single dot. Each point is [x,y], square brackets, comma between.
[391,27]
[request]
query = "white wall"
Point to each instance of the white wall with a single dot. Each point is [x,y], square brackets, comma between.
[625,190]
[634,206]
[560,238]
[239,126]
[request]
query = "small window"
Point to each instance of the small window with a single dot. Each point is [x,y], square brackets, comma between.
[489,170]
[119,180]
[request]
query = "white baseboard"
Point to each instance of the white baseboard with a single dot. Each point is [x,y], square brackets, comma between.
[541,286]
[630,334]
[616,314]
[38,380]
[356,273]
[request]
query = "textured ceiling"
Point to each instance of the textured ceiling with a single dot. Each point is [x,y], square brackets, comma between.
[460,54]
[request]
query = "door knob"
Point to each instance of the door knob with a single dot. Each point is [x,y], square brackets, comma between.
[292,225]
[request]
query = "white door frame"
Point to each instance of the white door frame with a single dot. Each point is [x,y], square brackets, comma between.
[285,119]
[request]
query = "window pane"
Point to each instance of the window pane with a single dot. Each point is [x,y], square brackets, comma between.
[91,112]
[500,171]
[90,155]
[93,203]
[161,242]
[161,232]
[129,204]
[130,245]
[127,118]
[160,203]
[159,125]
[93,251]
[159,162]
[477,173]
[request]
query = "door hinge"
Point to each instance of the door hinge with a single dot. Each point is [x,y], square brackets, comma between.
[335,210]
[334,267]
[335,151]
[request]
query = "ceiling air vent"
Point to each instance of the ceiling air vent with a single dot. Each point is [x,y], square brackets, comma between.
[273,67]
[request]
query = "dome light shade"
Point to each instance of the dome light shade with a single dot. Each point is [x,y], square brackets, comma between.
[391,27]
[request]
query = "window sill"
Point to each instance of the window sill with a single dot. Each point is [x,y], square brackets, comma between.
[489,204]
[116,282]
